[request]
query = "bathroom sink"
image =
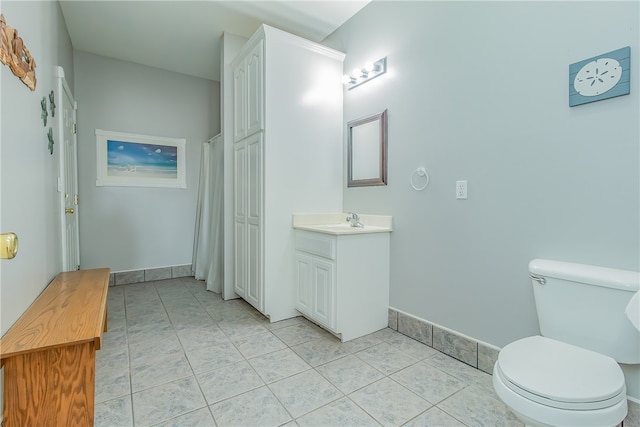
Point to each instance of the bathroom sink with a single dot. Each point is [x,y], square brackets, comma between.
[346,229]
[336,224]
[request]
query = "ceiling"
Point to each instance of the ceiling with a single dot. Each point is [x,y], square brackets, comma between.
[184,36]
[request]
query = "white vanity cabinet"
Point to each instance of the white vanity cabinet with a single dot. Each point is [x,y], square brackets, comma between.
[343,281]
[287,158]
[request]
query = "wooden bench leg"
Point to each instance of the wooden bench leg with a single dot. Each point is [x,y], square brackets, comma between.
[53,387]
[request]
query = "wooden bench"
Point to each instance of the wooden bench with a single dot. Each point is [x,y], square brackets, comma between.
[49,353]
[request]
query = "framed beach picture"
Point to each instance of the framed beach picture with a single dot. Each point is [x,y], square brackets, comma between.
[130,160]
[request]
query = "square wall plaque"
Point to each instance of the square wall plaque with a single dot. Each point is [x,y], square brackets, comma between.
[601,77]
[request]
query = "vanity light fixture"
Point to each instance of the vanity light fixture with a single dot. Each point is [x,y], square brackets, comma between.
[369,71]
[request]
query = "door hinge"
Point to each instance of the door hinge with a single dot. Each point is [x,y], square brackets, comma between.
[75,199]
[75,128]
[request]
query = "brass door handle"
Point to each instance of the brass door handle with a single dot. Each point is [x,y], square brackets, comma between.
[69,210]
[8,245]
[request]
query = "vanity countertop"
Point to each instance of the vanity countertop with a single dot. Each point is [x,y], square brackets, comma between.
[337,224]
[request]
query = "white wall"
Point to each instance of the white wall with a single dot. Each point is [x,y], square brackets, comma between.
[29,204]
[479,91]
[131,228]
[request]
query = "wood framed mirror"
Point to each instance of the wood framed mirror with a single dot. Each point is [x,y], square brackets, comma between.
[367,151]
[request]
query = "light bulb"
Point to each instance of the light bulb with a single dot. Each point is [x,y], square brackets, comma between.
[362,75]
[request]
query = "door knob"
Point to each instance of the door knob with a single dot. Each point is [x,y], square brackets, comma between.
[8,245]
[69,210]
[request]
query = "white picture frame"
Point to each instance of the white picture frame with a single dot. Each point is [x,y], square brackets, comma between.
[131,160]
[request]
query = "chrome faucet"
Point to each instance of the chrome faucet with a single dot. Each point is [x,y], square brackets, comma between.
[354,220]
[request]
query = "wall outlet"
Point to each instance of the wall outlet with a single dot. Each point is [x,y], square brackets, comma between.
[461,190]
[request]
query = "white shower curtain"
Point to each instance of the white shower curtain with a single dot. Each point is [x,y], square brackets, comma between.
[207,246]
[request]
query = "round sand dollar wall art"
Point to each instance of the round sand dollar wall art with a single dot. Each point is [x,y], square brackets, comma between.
[598,77]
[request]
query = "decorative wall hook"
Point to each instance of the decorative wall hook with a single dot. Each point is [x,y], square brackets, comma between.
[50,135]
[44,113]
[52,104]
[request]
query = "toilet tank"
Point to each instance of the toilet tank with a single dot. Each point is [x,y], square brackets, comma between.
[584,305]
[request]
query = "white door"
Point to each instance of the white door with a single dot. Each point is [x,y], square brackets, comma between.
[240,217]
[239,103]
[248,219]
[253,88]
[254,221]
[69,175]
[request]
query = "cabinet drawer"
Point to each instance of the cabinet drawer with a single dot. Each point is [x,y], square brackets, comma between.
[316,243]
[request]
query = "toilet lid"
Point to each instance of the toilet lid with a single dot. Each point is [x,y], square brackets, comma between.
[562,373]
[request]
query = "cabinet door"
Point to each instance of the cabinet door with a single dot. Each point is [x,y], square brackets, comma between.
[248,219]
[240,181]
[240,217]
[254,271]
[303,283]
[239,102]
[254,88]
[254,179]
[240,260]
[254,221]
[323,292]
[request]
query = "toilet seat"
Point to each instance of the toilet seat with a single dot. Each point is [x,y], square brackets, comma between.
[560,375]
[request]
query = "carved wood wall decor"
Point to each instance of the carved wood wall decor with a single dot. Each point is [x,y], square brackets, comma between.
[15,54]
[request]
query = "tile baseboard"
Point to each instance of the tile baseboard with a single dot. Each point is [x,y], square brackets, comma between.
[478,354]
[452,343]
[474,353]
[119,278]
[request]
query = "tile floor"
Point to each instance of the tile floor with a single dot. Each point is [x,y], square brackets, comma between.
[178,355]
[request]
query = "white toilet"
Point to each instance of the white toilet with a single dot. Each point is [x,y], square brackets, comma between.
[570,375]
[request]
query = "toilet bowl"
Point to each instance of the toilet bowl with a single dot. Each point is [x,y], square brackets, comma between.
[570,375]
[550,383]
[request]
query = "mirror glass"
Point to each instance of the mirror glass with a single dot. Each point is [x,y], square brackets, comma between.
[367,151]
